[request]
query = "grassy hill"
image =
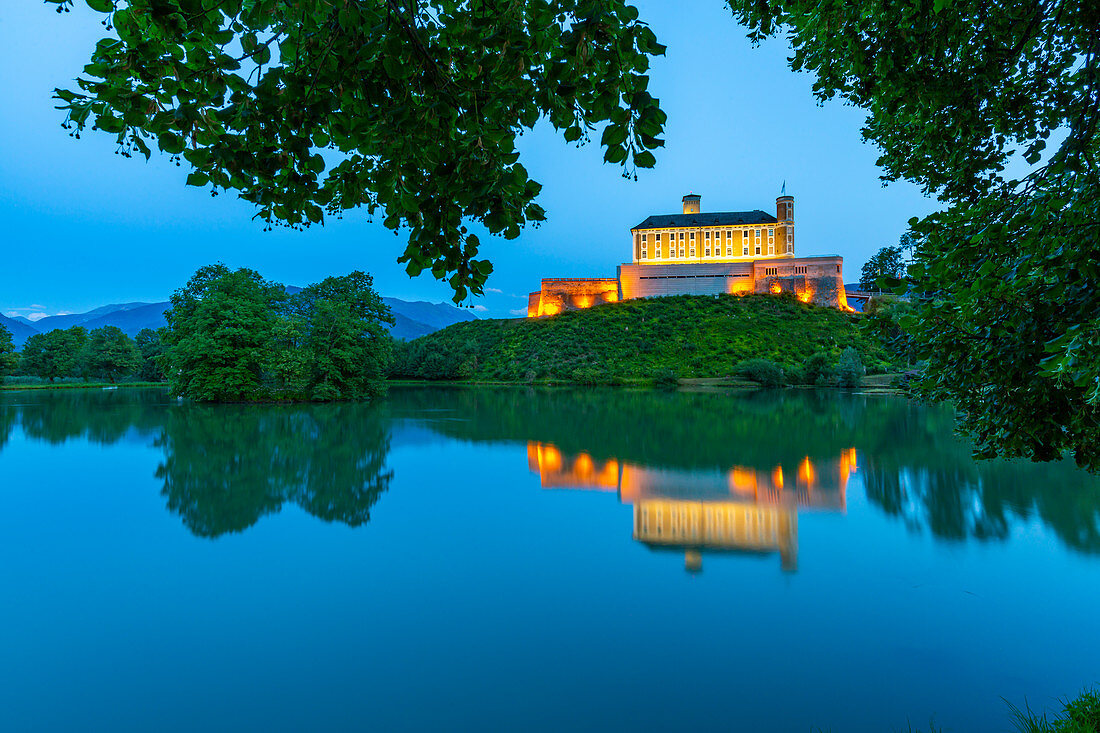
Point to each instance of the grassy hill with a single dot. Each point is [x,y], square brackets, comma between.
[638,340]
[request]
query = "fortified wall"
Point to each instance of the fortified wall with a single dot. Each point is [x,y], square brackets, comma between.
[694,253]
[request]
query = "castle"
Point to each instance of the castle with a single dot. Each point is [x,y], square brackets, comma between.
[695,253]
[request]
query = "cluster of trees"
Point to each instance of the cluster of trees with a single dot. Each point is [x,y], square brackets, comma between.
[234,337]
[103,353]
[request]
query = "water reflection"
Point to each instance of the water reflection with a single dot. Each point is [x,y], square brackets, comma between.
[227,466]
[740,509]
[750,459]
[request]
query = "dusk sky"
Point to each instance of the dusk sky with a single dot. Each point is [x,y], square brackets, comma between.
[84,227]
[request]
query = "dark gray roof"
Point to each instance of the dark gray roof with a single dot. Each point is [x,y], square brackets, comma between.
[709,219]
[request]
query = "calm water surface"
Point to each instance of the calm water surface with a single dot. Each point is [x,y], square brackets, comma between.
[520,559]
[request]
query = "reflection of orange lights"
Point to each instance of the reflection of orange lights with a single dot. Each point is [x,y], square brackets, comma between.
[583,467]
[806,472]
[777,477]
[742,480]
[549,458]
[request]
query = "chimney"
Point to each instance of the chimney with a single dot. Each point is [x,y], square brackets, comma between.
[784,209]
[691,204]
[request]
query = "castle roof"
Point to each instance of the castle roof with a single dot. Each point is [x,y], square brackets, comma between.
[708,219]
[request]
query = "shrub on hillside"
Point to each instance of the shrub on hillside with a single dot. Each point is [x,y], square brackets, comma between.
[818,370]
[763,372]
[850,371]
[666,379]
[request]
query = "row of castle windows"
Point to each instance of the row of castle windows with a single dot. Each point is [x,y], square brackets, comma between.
[747,242]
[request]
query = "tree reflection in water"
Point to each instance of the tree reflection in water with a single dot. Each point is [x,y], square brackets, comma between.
[226,466]
[912,464]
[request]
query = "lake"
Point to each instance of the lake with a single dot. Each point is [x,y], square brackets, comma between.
[532,559]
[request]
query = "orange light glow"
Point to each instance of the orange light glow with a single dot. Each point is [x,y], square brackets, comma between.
[806,295]
[583,301]
[741,480]
[777,477]
[549,309]
[806,473]
[776,288]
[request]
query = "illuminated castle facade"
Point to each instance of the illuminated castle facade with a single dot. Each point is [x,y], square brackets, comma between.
[696,253]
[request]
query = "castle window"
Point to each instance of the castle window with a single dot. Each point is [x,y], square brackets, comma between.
[729,250]
[708,251]
[771,233]
[643,239]
[644,255]
[771,271]
[706,236]
[681,236]
[729,235]
[800,270]
[693,237]
[790,247]
[681,251]
[758,246]
[693,249]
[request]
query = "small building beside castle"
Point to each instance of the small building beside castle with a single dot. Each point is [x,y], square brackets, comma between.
[697,253]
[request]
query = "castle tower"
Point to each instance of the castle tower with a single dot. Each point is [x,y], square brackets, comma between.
[784,214]
[691,204]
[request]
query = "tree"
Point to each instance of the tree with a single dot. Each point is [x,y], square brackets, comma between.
[220,327]
[411,109]
[53,354]
[9,360]
[850,370]
[347,347]
[1004,284]
[233,336]
[151,348]
[109,354]
[886,263]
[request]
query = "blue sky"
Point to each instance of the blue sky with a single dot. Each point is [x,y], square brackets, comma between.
[83,227]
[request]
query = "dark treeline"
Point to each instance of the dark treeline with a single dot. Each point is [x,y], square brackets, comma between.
[105,354]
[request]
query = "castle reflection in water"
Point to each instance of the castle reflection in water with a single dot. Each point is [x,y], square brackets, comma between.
[739,510]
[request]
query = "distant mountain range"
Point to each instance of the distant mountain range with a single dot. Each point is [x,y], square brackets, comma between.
[414,318]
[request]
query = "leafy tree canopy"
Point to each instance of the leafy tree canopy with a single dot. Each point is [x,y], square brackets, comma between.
[8,358]
[109,354]
[54,354]
[886,263]
[308,107]
[233,336]
[150,347]
[1005,283]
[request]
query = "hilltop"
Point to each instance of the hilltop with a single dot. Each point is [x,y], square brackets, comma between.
[689,336]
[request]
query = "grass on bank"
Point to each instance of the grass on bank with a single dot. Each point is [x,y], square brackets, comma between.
[24,382]
[1079,715]
[648,341]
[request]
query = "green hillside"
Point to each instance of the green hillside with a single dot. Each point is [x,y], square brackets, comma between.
[638,340]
